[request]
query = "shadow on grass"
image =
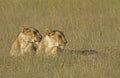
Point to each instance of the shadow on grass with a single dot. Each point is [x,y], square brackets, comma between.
[82,52]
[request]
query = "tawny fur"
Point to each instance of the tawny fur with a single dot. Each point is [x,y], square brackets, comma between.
[53,43]
[26,42]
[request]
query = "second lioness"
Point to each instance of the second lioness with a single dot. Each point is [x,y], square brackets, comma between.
[53,43]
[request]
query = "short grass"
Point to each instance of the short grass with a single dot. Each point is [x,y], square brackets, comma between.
[87,25]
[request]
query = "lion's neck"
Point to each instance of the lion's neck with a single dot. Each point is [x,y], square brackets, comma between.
[24,41]
[49,43]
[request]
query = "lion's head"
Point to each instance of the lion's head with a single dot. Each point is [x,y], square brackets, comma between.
[56,38]
[30,34]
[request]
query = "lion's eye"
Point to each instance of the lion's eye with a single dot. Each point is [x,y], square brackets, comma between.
[35,32]
[59,36]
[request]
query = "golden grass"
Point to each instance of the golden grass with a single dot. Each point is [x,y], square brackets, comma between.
[87,24]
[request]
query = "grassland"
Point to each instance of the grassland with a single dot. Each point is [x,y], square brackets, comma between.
[87,24]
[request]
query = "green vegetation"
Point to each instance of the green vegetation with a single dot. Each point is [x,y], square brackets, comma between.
[87,24]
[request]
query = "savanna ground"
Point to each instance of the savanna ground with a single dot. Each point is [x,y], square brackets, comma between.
[87,24]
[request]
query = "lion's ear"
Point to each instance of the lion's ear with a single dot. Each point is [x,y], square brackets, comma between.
[49,31]
[22,28]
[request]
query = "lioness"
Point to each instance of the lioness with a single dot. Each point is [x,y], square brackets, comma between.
[53,43]
[26,42]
